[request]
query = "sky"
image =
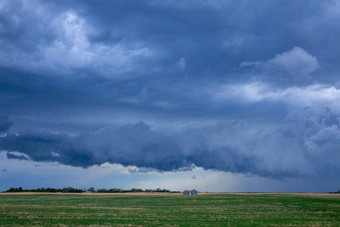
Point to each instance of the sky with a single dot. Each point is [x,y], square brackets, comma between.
[221,96]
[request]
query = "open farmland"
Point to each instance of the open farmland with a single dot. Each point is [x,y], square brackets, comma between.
[205,209]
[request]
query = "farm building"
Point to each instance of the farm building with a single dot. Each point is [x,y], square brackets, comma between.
[185,192]
[193,192]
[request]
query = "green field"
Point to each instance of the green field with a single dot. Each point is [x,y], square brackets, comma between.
[149,210]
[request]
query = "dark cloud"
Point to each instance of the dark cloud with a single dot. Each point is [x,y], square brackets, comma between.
[239,86]
[120,40]
[5,124]
[300,147]
[15,156]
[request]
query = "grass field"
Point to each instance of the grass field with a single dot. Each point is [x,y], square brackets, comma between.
[206,209]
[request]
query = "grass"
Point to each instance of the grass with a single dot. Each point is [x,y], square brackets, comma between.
[171,210]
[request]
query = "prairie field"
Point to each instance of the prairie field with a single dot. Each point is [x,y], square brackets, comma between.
[260,209]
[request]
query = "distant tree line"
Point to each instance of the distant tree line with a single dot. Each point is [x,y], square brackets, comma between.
[92,190]
[119,190]
[335,192]
[62,190]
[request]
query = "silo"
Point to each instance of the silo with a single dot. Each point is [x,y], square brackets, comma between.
[193,192]
[185,192]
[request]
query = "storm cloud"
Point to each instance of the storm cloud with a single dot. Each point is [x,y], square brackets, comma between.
[5,124]
[302,146]
[246,87]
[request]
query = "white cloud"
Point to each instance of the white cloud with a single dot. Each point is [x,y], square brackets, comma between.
[73,50]
[250,63]
[181,64]
[296,61]
[296,64]
[69,49]
[312,95]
